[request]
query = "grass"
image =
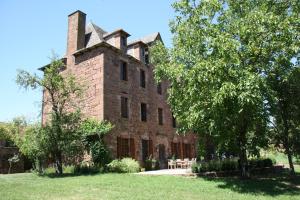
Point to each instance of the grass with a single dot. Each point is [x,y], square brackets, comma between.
[129,186]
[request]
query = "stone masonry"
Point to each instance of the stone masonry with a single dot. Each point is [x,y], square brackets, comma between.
[94,57]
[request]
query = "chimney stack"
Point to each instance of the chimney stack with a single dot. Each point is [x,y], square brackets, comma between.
[76,32]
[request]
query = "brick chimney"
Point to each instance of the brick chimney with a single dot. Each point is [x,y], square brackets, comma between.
[76,32]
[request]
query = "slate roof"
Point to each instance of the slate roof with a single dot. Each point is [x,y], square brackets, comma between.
[93,34]
[148,39]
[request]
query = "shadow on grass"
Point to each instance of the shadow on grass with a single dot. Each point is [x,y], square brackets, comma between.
[270,185]
[53,175]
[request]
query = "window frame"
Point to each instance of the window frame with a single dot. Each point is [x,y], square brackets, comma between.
[159,88]
[160,116]
[142,78]
[143,112]
[123,71]
[126,107]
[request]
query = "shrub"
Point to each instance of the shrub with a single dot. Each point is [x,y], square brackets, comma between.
[261,163]
[67,169]
[125,165]
[86,168]
[151,164]
[195,168]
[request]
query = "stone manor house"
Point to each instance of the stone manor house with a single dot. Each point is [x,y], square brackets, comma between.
[121,89]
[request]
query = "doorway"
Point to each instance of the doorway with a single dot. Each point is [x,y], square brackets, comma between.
[162,156]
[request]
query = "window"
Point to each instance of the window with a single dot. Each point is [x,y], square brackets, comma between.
[142,53]
[187,150]
[173,121]
[125,147]
[142,78]
[123,41]
[143,112]
[160,116]
[147,149]
[159,89]
[123,71]
[147,56]
[176,149]
[124,107]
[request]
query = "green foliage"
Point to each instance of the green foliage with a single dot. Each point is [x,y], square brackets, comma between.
[62,94]
[64,135]
[218,66]
[151,164]
[229,165]
[125,165]
[92,132]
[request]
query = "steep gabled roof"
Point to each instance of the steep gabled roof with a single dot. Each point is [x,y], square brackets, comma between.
[93,34]
[148,39]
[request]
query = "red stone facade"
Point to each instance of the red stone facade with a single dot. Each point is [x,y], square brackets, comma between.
[96,60]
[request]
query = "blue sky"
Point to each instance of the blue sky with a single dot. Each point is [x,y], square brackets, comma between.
[31,29]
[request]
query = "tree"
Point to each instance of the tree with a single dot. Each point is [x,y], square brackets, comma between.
[284,80]
[62,94]
[93,133]
[222,51]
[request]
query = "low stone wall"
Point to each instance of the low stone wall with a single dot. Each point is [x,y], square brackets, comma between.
[5,154]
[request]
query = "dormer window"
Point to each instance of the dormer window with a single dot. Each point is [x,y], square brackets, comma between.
[146,55]
[123,41]
[142,53]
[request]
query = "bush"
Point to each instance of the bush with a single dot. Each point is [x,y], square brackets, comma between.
[230,165]
[261,163]
[67,169]
[195,168]
[125,165]
[86,168]
[151,164]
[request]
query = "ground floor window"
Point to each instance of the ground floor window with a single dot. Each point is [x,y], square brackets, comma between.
[125,147]
[147,149]
[181,150]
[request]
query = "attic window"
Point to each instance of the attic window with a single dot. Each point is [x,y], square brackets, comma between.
[142,53]
[146,55]
[123,41]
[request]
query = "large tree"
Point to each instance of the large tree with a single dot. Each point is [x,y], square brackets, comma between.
[61,94]
[284,80]
[218,65]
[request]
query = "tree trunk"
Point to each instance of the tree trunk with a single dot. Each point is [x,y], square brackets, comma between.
[9,169]
[243,162]
[286,144]
[290,158]
[58,164]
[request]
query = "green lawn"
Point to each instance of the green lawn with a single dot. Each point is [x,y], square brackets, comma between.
[129,186]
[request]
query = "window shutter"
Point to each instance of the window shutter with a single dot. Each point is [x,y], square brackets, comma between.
[119,146]
[132,148]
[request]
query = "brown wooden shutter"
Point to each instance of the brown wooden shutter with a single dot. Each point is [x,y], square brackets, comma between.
[172,149]
[119,147]
[183,150]
[150,148]
[180,150]
[132,148]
